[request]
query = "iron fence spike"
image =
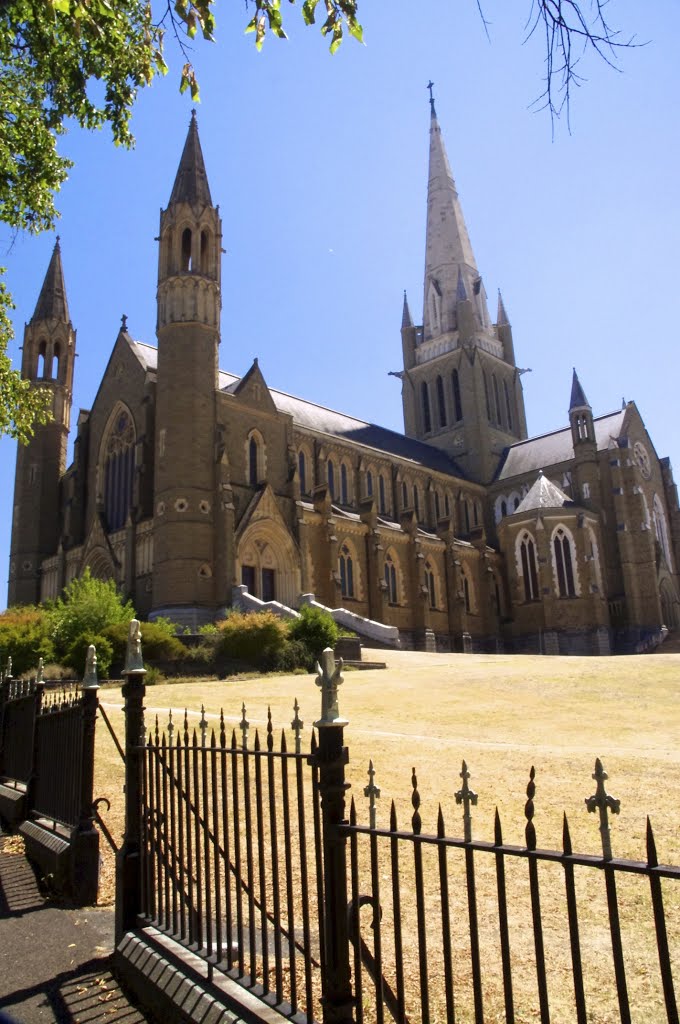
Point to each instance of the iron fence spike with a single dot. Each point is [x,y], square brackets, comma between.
[467,797]
[416,820]
[652,858]
[373,793]
[296,725]
[603,802]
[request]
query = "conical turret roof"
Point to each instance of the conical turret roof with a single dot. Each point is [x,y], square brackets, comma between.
[52,299]
[543,494]
[406,318]
[578,396]
[191,182]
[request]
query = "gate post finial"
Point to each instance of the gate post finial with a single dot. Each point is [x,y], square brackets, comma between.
[90,681]
[329,677]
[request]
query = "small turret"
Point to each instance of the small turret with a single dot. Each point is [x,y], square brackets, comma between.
[580,415]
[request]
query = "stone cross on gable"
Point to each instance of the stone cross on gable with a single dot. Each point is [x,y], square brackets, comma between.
[329,678]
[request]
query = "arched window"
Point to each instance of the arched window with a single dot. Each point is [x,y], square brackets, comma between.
[486,396]
[563,564]
[391,580]
[186,249]
[504,508]
[346,572]
[41,369]
[416,501]
[57,360]
[119,470]
[436,506]
[344,499]
[381,495]
[466,593]
[441,403]
[205,252]
[660,528]
[527,551]
[427,419]
[431,585]
[331,479]
[302,472]
[457,404]
[369,484]
[404,495]
[508,407]
[447,506]
[497,400]
[466,513]
[476,511]
[252,463]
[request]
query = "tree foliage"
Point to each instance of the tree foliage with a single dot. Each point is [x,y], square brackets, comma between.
[85,609]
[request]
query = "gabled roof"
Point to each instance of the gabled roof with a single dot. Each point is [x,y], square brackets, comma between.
[558,446]
[543,494]
[336,424]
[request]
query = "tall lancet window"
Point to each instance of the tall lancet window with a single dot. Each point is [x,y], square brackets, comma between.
[457,404]
[441,404]
[427,419]
[119,470]
[564,565]
[527,551]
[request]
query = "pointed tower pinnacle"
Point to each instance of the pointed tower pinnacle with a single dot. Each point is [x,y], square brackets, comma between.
[406,318]
[578,398]
[52,299]
[191,182]
[502,316]
[448,252]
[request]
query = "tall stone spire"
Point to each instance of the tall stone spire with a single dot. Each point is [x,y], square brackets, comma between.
[191,182]
[52,299]
[406,318]
[448,252]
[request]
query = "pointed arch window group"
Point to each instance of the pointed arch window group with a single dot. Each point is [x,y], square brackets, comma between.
[119,469]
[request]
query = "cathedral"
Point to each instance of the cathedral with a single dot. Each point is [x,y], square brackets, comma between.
[462,533]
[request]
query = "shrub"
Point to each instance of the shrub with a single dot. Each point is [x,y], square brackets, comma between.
[316,629]
[159,642]
[24,638]
[86,608]
[77,653]
[256,638]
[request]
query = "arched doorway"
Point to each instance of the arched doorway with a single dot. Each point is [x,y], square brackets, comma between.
[268,563]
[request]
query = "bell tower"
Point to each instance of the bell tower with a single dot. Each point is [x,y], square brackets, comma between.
[49,353]
[189,303]
[461,389]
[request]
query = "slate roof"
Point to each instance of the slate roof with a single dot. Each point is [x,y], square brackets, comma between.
[543,494]
[556,447]
[336,424]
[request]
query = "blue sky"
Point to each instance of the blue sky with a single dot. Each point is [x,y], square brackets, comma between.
[319,165]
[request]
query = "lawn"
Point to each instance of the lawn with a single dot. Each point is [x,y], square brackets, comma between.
[503,715]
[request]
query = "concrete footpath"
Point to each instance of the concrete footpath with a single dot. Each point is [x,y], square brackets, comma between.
[54,960]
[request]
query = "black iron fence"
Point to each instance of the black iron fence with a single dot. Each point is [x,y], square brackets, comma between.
[46,777]
[243,851]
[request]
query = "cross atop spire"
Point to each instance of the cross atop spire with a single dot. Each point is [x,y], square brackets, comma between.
[52,299]
[430,86]
[191,182]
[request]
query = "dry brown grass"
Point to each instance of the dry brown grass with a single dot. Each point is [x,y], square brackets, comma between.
[503,715]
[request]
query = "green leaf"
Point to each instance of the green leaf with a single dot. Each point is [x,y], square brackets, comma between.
[337,38]
[308,9]
[251,26]
[355,29]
